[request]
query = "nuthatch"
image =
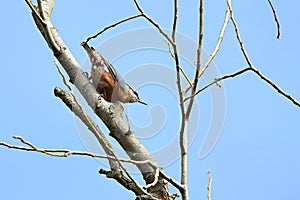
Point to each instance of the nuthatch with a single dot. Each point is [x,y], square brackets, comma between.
[108,83]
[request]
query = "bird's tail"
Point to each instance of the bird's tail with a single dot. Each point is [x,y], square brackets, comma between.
[87,48]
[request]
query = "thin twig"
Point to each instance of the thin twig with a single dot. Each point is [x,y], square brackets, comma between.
[64,79]
[153,22]
[181,69]
[186,76]
[113,25]
[219,42]
[209,185]
[219,79]
[257,72]
[216,49]
[175,17]
[238,35]
[198,63]
[275,18]
[276,87]
[65,152]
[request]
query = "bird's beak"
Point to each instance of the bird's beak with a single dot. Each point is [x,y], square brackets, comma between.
[140,101]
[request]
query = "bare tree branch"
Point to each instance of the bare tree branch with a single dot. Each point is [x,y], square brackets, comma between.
[219,79]
[250,63]
[110,114]
[275,18]
[198,63]
[184,121]
[182,71]
[175,17]
[217,47]
[276,87]
[67,153]
[174,54]
[153,22]
[238,34]
[257,72]
[113,25]
[117,175]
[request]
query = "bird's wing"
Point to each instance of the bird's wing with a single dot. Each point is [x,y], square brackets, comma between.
[118,78]
[97,59]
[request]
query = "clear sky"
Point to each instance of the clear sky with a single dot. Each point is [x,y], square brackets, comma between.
[257,155]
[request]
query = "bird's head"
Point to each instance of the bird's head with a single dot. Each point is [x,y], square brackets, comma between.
[134,97]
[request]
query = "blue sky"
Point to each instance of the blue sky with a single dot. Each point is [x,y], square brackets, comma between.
[257,154]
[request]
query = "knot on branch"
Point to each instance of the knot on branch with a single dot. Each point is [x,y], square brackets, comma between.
[123,180]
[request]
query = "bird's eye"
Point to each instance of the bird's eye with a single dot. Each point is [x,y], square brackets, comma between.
[136,94]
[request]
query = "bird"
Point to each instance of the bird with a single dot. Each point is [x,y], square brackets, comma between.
[107,81]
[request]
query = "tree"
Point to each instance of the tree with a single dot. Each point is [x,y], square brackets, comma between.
[80,80]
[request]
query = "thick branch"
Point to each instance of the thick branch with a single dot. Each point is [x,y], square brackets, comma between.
[111,115]
[79,111]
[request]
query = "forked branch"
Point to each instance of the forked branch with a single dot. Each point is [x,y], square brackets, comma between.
[258,73]
[266,79]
